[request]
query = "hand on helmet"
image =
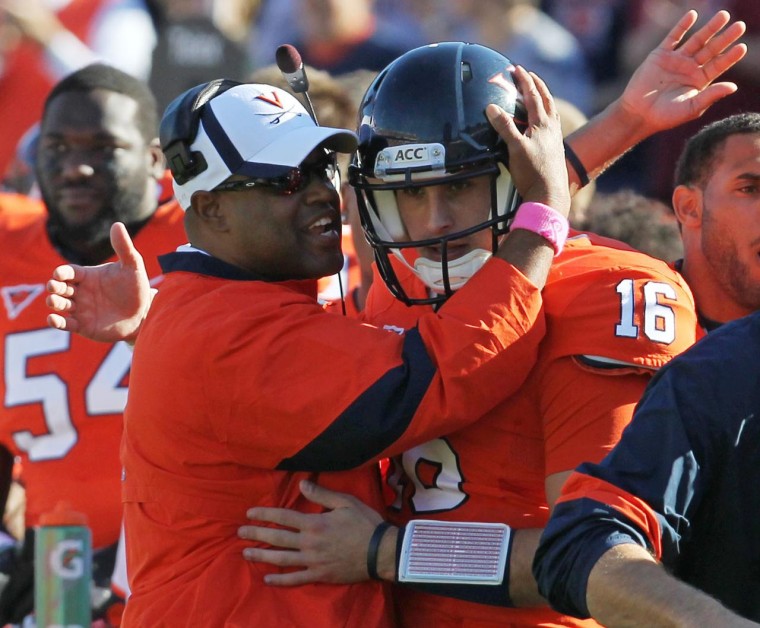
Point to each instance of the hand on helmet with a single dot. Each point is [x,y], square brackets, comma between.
[536,157]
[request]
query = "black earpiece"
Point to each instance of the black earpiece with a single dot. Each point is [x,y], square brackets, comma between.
[179,126]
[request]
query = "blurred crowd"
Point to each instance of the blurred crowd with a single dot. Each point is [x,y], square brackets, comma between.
[584,49]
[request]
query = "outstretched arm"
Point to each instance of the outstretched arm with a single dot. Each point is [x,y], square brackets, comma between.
[106,303]
[674,84]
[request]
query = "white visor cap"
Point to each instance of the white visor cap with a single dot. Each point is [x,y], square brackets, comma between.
[259,131]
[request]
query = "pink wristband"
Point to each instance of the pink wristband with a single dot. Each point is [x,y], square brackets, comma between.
[543,220]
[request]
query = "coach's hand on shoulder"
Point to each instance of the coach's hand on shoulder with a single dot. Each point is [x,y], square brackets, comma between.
[107,302]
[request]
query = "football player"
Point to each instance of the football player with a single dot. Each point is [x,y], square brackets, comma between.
[98,161]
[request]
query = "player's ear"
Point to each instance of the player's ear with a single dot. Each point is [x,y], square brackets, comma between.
[156,160]
[687,205]
[208,210]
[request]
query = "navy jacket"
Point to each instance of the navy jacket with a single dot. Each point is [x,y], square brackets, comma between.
[684,481]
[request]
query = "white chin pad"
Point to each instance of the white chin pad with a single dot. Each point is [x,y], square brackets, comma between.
[460,270]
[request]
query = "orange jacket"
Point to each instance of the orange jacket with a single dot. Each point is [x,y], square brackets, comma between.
[242,387]
[64,395]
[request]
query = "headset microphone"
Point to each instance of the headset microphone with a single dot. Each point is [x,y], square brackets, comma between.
[290,64]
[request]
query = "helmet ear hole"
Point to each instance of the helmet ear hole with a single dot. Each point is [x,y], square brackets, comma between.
[466,72]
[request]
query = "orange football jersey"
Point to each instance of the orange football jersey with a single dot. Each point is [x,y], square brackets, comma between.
[612,315]
[241,387]
[18,209]
[63,395]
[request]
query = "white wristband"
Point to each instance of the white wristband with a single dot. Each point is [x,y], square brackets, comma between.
[454,552]
[544,221]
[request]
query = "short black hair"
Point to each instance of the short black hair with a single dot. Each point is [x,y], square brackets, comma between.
[699,152]
[102,76]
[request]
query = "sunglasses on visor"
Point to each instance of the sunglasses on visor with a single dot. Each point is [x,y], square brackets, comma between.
[295,180]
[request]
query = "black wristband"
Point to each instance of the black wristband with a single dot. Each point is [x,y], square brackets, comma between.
[374,546]
[399,548]
[577,164]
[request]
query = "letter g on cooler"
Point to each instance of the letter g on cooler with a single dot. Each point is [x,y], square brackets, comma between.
[66,560]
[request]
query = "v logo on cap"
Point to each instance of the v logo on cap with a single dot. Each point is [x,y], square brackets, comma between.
[274,100]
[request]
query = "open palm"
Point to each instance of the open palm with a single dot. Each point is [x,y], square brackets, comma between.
[675,82]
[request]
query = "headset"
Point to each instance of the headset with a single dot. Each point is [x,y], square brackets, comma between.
[179,127]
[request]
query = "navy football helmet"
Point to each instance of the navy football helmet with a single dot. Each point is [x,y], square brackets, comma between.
[422,122]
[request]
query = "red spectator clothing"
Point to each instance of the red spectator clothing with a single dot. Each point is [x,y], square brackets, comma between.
[242,387]
[63,395]
[25,82]
[613,316]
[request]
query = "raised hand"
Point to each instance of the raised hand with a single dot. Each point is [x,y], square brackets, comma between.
[105,303]
[675,83]
[330,546]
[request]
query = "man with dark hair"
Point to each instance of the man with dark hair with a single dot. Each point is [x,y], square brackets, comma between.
[102,76]
[679,490]
[716,202]
[84,200]
[98,161]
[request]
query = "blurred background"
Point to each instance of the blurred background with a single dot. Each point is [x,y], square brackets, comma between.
[584,49]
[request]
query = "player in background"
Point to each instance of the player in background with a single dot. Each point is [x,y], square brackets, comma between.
[98,161]
[715,202]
